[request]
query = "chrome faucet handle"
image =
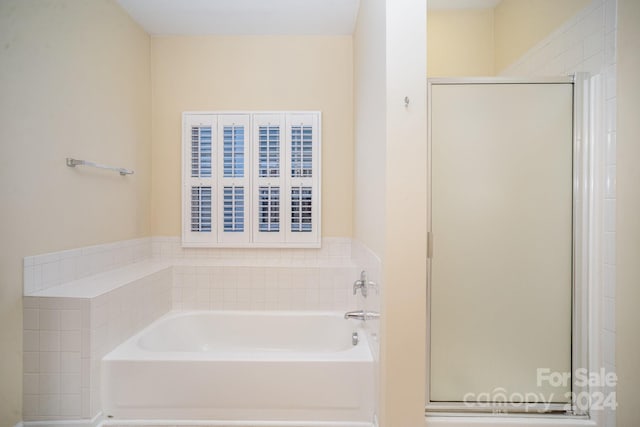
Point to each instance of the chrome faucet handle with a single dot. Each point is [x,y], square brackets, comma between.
[363,284]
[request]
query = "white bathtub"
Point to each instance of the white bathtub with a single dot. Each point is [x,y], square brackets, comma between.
[242,366]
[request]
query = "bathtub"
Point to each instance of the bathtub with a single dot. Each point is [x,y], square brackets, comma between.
[242,366]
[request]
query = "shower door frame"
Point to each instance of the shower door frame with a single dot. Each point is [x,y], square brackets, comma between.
[586,322]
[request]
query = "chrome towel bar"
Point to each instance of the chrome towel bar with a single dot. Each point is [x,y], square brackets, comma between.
[75,162]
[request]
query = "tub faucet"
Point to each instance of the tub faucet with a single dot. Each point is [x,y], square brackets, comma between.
[362,315]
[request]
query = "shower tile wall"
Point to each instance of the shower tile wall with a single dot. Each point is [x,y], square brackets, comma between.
[587,43]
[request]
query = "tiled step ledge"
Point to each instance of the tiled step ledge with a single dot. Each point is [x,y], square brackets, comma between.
[102,283]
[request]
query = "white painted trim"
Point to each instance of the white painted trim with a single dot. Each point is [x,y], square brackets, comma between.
[96,421]
[100,421]
[234,423]
[499,80]
[502,421]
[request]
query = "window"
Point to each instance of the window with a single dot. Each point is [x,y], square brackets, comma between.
[251,179]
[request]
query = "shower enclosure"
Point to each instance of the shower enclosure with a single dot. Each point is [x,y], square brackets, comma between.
[506,219]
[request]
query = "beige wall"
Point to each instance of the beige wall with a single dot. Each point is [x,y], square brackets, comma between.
[483,42]
[370,125]
[390,177]
[74,81]
[521,24]
[628,214]
[253,73]
[402,346]
[460,43]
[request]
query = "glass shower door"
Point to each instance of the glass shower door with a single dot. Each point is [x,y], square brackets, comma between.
[501,226]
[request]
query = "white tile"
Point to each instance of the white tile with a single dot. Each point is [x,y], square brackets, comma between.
[610,314]
[70,340]
[610,46]
[203,297]
[49,319]
[51,273]
[31,362]
[70,383]
[30,384]
[593,64]
[49,383]
[31,341]
[610,281]
[610,215]
[30,405]
[85,373]
[610,248]
[37,277]
[573,57]
[50,257]
[28,280]
[243,295]
[49,362]
[70,362]
[609,347]
[610,16]
[70,405]
[554,67]
[610,113]
[30,318]
[68,269]
[70,320]
[610,417]
[49,405]
[86,403]
[593,22]
[610,182]
[49,341]
[30,302]
[610,150]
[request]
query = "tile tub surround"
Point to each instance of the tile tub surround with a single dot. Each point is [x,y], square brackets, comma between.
[197,287]
[335,251]
[75,319]
[65,338]
[48,270]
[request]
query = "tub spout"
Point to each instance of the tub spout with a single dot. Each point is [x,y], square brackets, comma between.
[361,315]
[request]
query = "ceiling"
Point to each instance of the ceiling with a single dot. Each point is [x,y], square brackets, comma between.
[244,17]
[260,17]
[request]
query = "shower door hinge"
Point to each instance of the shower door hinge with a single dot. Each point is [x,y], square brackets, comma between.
[429,245]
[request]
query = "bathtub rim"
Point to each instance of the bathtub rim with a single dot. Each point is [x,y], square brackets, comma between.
[129,350]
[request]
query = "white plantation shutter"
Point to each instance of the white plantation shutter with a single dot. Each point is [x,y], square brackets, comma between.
[199,134]
[233,183]
[302,180]
[268,143]
[251,179]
